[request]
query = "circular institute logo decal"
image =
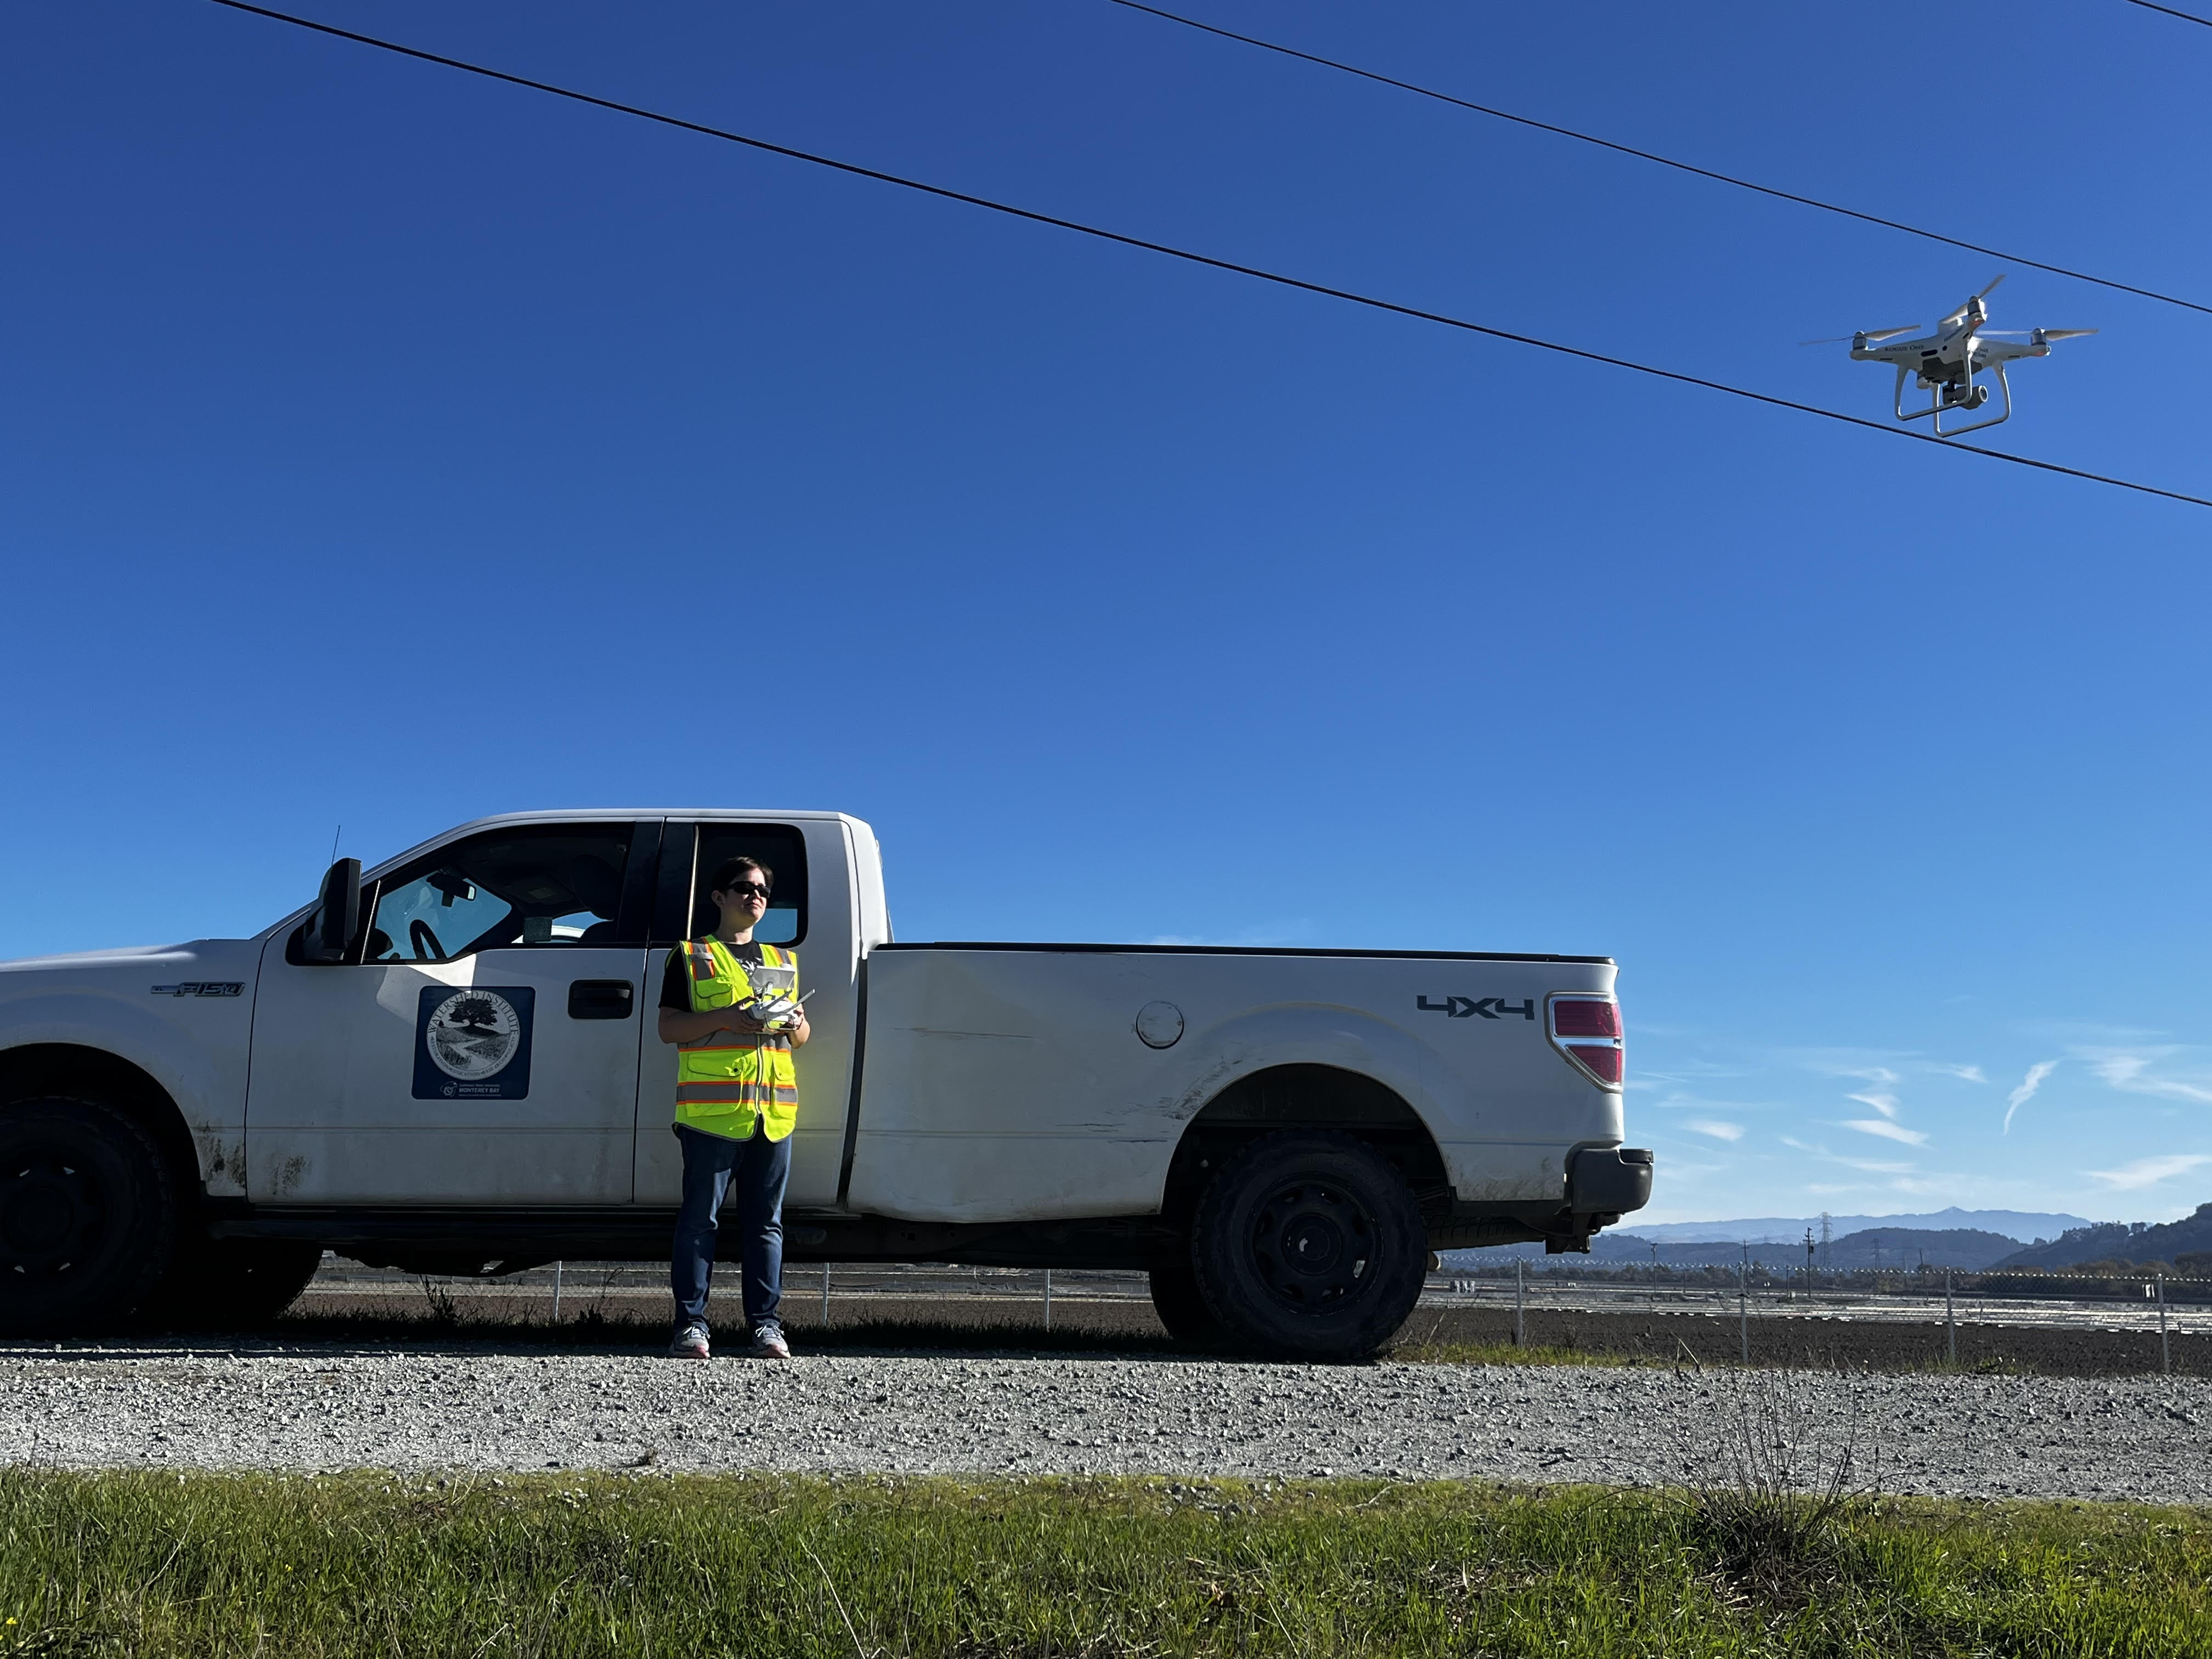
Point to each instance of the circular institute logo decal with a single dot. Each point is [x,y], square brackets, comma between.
[473,1034]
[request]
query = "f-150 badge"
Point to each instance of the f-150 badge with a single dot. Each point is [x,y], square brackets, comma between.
[202,988]
[1489,1007]
[473,1043]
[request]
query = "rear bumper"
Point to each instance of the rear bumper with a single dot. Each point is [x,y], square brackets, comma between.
[1609,1181]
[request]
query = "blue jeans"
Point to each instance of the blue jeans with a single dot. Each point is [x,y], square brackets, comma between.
[713,1165]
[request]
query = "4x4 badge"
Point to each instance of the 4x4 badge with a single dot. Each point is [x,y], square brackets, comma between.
[1489,1007]
[202,988]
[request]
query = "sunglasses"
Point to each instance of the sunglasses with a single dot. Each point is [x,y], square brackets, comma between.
[747,889]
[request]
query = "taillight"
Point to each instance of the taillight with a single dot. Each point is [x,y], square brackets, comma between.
[1579,1017]
[1587,1031]
[1602,1063]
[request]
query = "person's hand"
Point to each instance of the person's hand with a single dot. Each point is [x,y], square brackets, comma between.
[736,1019]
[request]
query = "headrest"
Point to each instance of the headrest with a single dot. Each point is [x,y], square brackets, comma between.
[596,885]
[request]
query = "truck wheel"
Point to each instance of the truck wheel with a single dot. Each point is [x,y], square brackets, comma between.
[234,1284]
[1310,1246]
[87,1216]
[1177,1300]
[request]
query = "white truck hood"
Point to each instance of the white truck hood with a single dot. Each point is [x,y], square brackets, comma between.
[124,955]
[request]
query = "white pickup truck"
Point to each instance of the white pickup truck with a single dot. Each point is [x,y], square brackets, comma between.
[448,1065]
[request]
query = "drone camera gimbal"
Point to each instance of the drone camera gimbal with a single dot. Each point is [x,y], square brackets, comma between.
[1947,396]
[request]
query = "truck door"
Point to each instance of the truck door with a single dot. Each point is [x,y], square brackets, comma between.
[480,1043]
[811,908]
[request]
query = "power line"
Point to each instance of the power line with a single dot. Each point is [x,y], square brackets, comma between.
[2185,17]
[1668,161]
[1196,259]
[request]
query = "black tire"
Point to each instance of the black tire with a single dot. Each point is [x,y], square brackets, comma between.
[1182,1308]
[1309,1246]
[87,1216]
[234,1284]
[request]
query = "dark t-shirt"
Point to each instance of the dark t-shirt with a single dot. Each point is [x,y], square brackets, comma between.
[675,989]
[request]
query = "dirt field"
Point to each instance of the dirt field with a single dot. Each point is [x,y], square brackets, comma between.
[1878,1345]
[1001,1321]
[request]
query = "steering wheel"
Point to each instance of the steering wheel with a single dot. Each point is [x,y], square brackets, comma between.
[427,948]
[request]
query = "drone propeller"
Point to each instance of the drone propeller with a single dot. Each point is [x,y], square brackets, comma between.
[1972,304]
[1864,334]
[2064,333]
[2029,333]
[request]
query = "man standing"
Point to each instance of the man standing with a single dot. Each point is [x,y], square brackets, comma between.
[730,1007]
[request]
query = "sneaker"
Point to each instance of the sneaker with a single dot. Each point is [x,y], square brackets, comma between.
[768,1342]
[690,1343]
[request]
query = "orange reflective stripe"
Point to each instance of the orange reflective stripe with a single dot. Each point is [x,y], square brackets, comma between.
[703,960]
[725,1040]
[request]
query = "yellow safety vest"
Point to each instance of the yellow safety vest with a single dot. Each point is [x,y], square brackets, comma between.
[726,1082]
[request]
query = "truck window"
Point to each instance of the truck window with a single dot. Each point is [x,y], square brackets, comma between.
[551,884]
[778,846]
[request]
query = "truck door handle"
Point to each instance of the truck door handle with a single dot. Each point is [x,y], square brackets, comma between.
[600,998]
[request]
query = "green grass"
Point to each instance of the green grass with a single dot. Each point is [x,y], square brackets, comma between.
[149,1564]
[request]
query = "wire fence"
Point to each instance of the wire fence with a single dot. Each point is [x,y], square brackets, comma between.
[573,1289]
[2148,1303]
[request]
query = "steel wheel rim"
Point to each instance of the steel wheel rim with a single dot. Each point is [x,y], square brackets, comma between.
[1312,1242]
[54,1211]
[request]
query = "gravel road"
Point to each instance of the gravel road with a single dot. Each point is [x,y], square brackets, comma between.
[477,1407]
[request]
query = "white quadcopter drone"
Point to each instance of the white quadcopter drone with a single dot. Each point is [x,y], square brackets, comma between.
[1947,360]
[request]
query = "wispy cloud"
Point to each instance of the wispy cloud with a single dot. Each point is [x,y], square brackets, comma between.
[1922,1187]
[1682,1071]
[2024,1091]
[1886,1129]
[2128,1071]
[1883,1068]
[2076,1032]
[1280,932]
[2150,1172]
[1715,1127]
[1680,1100]
[1875,1066]
[1867,1165]
[1885,1104]
[1876,1074]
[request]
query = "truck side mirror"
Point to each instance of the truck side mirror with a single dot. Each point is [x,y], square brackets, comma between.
[330,930]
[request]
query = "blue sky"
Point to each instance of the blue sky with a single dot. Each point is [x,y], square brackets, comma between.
[376,441]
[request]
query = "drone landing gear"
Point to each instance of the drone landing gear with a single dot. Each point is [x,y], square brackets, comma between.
[1945,399]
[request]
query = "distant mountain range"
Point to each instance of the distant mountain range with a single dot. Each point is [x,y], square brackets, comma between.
[2022,1226]
[1967,1239]
[2125,1241]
